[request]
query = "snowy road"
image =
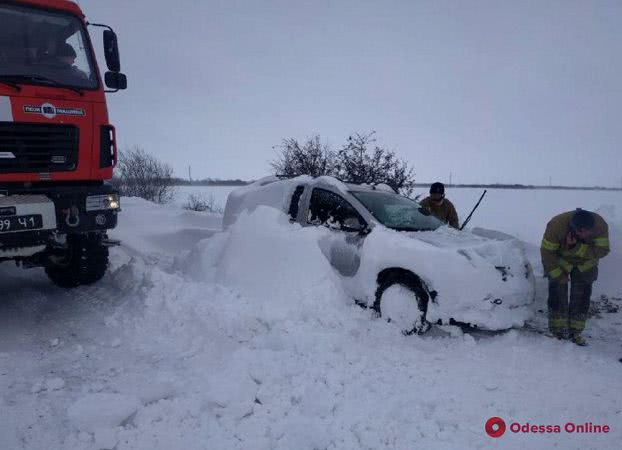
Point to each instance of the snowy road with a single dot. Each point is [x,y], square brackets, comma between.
[160,355]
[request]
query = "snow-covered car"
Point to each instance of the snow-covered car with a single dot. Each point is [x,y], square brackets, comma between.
[396,258]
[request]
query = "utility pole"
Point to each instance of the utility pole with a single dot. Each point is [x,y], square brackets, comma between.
[189,174]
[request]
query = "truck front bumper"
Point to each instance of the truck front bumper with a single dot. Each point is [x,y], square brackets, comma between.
[29,219]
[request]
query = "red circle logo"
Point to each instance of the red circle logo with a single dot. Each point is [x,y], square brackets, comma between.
[495,427]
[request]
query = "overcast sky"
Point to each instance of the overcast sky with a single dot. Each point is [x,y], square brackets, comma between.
[492,91]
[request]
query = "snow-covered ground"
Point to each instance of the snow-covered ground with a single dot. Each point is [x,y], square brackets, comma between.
[199,339]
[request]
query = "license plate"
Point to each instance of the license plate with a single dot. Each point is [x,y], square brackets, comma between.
[20,223]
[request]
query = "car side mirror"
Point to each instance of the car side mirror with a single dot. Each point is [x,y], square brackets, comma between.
[353,224]
[111,51]
[115,80]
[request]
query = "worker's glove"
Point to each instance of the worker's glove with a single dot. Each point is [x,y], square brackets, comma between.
[571,240]
[563,279]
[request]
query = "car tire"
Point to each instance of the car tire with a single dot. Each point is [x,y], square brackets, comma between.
[84,261]
[410,285]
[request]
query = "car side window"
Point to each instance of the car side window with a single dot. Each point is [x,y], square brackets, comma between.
[294,205]
[331,210]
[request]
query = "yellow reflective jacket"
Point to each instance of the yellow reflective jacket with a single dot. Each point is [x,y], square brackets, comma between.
[446,212]
[558,259]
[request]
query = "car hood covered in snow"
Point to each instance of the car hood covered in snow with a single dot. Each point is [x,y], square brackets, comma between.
[482,277]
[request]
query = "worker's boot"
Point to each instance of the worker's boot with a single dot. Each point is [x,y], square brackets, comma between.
[578,339]
[561,334]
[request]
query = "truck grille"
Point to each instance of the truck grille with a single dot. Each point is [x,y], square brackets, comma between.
[29,147]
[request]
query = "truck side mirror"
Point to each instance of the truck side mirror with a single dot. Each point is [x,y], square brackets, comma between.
[115,80]
[111,51]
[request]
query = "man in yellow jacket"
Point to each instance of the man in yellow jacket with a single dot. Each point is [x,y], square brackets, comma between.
[572,244]
[439,206]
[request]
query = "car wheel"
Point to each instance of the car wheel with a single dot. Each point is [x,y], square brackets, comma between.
[402,300]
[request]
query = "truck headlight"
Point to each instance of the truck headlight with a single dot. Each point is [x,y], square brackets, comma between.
[113,201]
[102,202]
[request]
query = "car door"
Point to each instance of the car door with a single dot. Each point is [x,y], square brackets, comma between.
[342,245]
[294,204]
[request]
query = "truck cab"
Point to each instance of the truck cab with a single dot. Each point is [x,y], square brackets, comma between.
[57,146]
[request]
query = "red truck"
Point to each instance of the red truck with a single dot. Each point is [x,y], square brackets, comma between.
[57,147]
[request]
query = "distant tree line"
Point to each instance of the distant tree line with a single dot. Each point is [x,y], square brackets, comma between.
[359,160]
[141,174]
[209,182]
[527,186]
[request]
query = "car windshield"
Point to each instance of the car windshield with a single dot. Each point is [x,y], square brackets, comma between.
[397,212]
[44,47]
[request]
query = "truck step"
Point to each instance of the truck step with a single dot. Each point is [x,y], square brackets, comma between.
[111,242]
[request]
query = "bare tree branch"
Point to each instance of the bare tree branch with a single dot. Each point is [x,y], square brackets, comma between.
[313,158]
[140,174]
[361,160]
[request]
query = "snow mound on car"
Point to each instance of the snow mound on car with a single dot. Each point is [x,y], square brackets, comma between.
[241,282]
[266,256]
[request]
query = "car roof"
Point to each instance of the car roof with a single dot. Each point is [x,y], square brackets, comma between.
[325,179]
[322,181]
[369,187]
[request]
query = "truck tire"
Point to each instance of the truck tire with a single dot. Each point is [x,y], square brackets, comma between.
[85,261]
[402,299]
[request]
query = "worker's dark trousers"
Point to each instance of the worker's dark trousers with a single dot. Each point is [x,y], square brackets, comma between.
[569,316]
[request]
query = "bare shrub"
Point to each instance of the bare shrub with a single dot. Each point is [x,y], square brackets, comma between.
[202,203]
[360,160]
[140,174]
[311,158]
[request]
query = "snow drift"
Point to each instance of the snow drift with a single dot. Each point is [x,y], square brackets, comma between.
[238,341]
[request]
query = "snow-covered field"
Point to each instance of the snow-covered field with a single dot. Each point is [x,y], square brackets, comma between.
[218,193]
[199,339]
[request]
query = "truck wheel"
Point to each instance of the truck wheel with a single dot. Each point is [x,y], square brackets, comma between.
[84,262]
[402,300]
